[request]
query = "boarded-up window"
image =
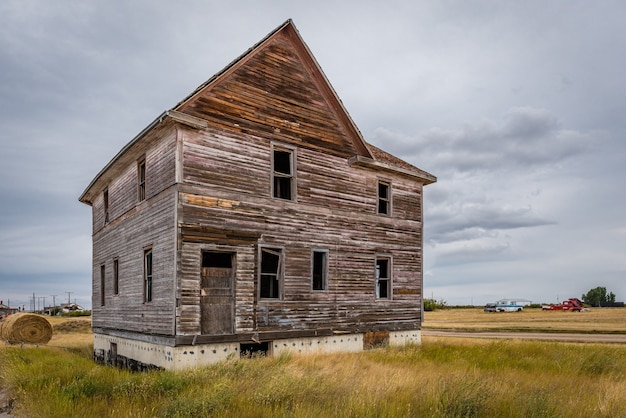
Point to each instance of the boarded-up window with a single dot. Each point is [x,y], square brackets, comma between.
[271,272]
[383,277]
[384,198]
[116,276]
[147,275]
[320,269]
[141,180]
[282,174]
[102,284]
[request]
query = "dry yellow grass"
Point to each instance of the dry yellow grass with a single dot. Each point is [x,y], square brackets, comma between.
[604,320]
[69,331]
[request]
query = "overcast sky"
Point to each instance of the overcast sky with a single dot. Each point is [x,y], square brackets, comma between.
[518,107]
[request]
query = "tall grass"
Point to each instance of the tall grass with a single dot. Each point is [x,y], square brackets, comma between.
[436,379]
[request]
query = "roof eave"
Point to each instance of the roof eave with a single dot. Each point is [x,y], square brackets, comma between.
[419,175]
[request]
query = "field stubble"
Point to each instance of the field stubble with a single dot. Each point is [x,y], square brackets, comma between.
[442,377]
[595,320]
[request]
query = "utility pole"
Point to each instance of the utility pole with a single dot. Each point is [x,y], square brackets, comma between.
[54,303]
[69,301]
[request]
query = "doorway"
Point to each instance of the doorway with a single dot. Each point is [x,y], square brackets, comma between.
[217,305]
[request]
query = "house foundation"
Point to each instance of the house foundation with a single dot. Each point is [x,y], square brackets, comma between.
[139,355]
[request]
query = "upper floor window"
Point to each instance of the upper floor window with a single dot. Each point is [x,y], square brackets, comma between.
[105,198]
[383,277]
[147,275]
[384,198]
[141,180]
[320,269]
[271,273]
[283,174]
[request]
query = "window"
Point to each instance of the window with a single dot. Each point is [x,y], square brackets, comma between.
[320,269]
[147,275]
[282,174]
[141,180]
[383,277]
[116,276]
[271,273]
[384,198]
[105,198]
[102,283]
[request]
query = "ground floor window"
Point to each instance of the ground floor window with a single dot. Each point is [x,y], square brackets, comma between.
[383,277]
[147,275]
[271,272]
[320,269]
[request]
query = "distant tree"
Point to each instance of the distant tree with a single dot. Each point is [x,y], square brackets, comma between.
[598,296]
[432,304]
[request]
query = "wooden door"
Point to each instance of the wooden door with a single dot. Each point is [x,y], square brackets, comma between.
[217,293]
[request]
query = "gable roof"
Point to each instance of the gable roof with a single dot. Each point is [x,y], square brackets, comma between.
[225,99]
[278,89]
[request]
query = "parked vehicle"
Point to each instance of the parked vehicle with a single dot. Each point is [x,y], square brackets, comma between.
[571,304]
[490,307]
[509,306]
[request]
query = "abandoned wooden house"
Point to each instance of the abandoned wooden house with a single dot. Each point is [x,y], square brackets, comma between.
[253,216]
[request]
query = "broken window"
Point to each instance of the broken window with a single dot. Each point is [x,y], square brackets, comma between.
[383,277]
[116,276]
[320,269]
[141,180]
[271,273]
[102,284]
[282,174]
[105,198]
[147,275]
[384,200]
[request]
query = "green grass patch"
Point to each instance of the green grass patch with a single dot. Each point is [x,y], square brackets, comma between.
[435,379]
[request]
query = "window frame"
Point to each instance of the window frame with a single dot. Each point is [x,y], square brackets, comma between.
[324,272]
[105,204]
[141,179]
[292,176]
[388,277]
[148,274]
[102,284]
[116,276]
[280,272]
[386,201]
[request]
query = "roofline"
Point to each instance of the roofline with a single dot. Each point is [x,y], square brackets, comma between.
[169,115]
[326,86]
[420,175]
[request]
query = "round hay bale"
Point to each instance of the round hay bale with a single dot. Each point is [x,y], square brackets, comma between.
[26,328]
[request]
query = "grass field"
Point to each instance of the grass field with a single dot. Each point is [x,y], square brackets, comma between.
[440,378]
[602,320]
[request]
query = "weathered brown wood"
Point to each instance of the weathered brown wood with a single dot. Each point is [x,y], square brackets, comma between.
[208,189]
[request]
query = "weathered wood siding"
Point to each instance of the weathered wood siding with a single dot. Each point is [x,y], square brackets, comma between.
[132,227]
[227,187]
[276,95]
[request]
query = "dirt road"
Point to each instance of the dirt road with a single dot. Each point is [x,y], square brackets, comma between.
[544,336]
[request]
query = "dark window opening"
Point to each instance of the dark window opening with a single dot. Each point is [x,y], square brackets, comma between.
[320,268]
[116,276]
[219,260]
[270,273]
[147,281]
[254,349]
[141,180]
[383,198]
[105,197]
[283,174]
[102,284]
[382,278]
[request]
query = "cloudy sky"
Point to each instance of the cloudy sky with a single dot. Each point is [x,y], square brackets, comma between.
[519,109]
